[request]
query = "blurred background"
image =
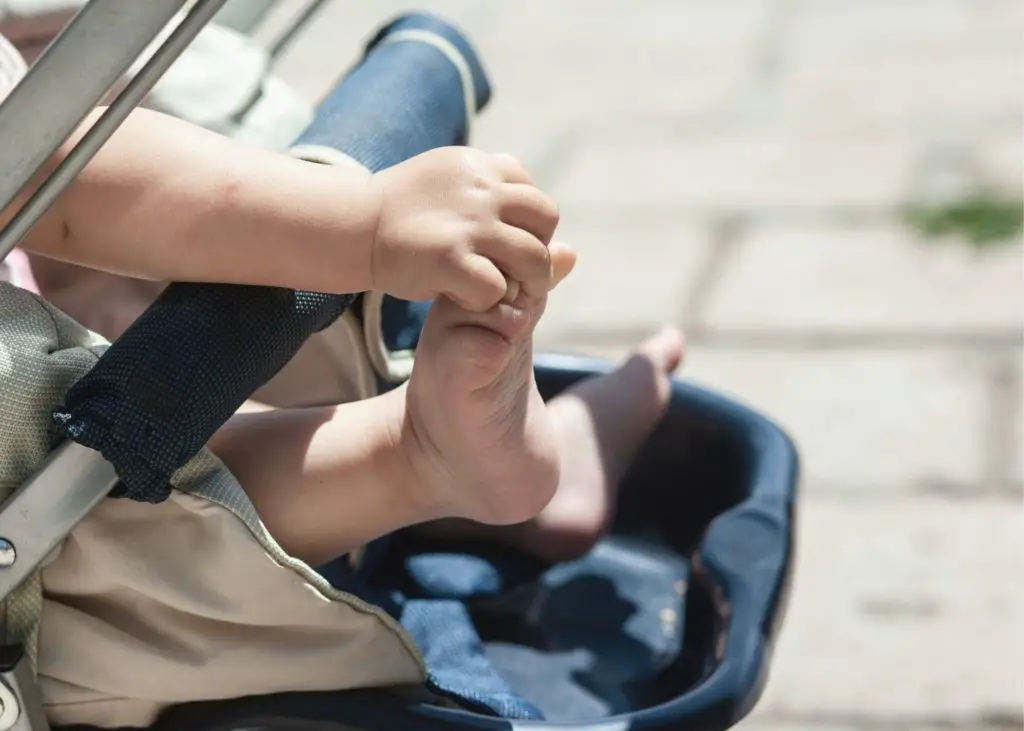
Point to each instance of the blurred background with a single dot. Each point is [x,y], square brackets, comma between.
[826,195]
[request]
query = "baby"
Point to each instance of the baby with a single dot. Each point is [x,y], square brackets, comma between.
[468,436]
[147,606]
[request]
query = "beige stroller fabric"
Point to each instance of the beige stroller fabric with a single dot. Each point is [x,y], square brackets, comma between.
[148,606]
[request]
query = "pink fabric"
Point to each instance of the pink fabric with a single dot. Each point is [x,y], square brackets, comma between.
[16,268]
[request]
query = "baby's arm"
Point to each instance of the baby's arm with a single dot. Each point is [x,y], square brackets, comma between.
[326,481]
[167,200]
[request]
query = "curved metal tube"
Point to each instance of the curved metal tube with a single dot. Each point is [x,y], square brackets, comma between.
[109,121]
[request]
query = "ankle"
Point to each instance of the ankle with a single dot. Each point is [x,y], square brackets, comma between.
[408,466]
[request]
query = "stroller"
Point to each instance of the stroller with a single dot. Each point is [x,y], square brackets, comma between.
[667,624]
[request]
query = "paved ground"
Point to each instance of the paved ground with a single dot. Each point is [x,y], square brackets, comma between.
[737,167]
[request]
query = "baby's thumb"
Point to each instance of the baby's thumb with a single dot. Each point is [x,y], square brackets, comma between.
[563,261]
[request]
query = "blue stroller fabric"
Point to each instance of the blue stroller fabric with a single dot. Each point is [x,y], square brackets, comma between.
[579,639]
[601,628]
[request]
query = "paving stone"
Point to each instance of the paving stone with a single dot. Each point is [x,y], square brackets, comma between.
[1014,393]
[894,28]
[877,278]
[683,23]
[1001,160]
[559,66]
[924,67]
[632,273]
[870,422]
[754,722]
[867,423]
[904,607]
[913,94]
[745,169]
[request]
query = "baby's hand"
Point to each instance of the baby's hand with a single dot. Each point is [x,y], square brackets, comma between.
[461,223]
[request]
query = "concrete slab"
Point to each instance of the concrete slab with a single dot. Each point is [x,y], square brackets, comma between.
[869,424]
[870,278]
[633,274]
[738,170]
[902,609]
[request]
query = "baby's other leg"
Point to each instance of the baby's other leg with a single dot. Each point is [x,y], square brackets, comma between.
[601,423]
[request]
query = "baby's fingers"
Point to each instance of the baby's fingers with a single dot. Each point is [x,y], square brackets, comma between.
[521,256]
[477,284]
[510,169]
[530,209]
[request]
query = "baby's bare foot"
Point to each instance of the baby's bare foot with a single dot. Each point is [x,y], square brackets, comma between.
[600,425]
[480,437]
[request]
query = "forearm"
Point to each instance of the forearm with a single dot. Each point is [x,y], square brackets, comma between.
[171,201]
[325,481]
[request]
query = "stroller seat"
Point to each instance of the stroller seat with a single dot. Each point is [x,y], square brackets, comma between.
[667,624]
[704,524]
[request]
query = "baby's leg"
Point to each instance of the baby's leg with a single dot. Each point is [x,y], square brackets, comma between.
[599,426]
[326,480]
[467,437]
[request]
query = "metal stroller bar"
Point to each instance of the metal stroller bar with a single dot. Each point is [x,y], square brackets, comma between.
[107,36]
[47,113]
[74,478]
[299,23]
[244,15]
[21,707]
[44,509]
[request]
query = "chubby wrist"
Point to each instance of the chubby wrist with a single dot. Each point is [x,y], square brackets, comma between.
[339,215]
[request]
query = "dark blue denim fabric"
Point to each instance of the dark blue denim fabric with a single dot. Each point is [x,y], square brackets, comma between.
[578,639]
[404,99]
[395,577]
[402,322]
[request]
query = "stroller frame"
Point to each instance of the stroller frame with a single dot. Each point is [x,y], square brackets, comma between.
[35,120]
